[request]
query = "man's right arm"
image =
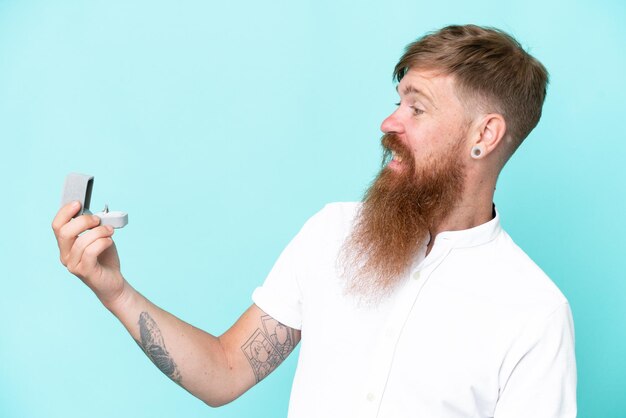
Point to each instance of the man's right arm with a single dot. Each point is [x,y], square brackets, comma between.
[215,369]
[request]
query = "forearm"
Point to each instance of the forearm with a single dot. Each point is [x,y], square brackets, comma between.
[191,357]
[216,370]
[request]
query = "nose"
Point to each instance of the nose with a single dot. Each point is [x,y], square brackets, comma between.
[392,124]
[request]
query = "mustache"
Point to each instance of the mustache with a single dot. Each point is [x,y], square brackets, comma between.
[391,144]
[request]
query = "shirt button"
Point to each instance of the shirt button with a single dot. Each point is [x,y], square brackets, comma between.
[370,397]
[416,275]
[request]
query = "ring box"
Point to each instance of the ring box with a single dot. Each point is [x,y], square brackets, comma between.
[79,187]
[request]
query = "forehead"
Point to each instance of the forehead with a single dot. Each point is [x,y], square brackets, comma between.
[434,85]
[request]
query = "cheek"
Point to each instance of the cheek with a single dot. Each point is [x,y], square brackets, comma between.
[423,140]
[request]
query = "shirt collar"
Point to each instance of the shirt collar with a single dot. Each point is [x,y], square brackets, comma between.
[471,237]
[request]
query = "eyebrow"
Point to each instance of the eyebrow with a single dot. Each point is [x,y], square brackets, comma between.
[408,90]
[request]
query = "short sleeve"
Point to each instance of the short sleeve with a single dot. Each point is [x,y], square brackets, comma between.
[539,376]
[280,296]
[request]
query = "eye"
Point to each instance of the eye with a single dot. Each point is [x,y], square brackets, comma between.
[397,104]
[417,111]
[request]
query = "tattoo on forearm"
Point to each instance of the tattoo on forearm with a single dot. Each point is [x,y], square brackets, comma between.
[153,345]
[268,347]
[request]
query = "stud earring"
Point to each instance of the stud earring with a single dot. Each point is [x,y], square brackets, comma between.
[477,151]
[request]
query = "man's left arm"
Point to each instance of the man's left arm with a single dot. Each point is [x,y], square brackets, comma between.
[542,381]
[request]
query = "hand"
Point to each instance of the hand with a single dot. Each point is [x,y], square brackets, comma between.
[88,252]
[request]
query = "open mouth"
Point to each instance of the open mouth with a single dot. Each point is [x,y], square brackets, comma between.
[396,155]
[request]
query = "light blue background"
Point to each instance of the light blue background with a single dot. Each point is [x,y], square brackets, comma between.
[221,127]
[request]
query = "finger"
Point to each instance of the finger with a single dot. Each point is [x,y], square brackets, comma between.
[69,232]
[82,242]
[64,215]
[90,256]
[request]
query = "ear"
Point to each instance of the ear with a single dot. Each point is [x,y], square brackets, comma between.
[489,133]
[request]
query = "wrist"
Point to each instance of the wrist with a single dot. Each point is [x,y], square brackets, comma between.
[118,302]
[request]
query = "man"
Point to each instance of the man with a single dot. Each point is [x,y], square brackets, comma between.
[412,303]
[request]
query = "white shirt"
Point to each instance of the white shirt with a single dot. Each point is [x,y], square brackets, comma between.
[475,330]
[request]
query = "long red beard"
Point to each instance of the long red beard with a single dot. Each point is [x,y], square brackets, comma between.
[399,209]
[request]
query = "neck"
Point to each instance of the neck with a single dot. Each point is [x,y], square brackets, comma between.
[475,208]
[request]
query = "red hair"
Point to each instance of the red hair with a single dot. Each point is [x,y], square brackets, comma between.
[491,71]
